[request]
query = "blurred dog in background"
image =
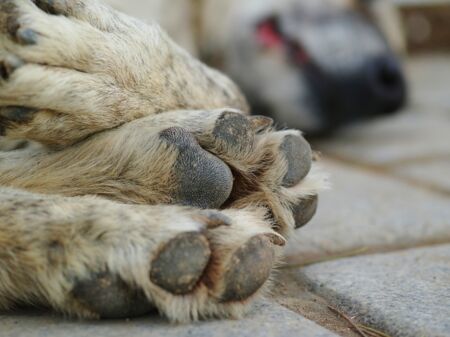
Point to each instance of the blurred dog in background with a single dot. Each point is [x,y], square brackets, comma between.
[315,65]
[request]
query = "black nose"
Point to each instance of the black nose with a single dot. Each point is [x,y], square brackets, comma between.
[386,84]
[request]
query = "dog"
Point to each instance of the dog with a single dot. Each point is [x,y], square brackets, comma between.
[315,65]
[151,187]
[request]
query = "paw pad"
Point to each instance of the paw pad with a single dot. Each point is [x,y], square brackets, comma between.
[110,297]
[249,268]
[298,154]
[235,130]
[204,181]
[305,210]
[181,263]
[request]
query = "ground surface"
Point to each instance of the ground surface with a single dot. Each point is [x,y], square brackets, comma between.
[376,255]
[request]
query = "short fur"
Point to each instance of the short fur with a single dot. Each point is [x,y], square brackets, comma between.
[126,120]
[344,43]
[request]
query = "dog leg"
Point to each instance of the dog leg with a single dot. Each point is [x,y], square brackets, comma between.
[69,69]
[94,258]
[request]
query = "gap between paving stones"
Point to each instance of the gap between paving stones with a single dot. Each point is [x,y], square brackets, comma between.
[332,281]
[363,251]
[386,170]
[295,294]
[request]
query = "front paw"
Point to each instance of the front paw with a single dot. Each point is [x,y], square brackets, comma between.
[271,169]
[187,264]
[85,68]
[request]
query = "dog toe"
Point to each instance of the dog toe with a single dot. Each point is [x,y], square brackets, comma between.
[235,130]
[298,155]
[181,263]
[204,181]
[108,296]
[249,268]
[305,210]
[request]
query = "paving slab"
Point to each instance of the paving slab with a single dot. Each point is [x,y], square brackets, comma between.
[434,173]
[410,135]
[365,212]
[267,319]
[405,294]
[428,77]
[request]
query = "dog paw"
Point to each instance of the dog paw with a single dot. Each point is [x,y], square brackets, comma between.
[83,68]
[270,169]
[187,264]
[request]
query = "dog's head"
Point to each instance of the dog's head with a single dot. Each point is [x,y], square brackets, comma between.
[313,64]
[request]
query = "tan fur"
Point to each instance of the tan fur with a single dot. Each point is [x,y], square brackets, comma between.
[104,87]
[337,37]
[50,242]
[118,88]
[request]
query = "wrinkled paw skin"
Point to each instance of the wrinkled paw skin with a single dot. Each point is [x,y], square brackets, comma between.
[204,181]
[107,296]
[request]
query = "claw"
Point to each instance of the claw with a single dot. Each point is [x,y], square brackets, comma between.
[9,65]
[276,239]
[260,123]
[17,113]
[46,6]
[26,36]
[214,219]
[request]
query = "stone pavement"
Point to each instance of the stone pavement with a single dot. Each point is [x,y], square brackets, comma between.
[379,247]
[406,293]
[376,258]
[267,319]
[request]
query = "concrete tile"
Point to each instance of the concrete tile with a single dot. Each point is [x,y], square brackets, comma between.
[266,320]
[429,76]
[405,294]
[407,136]
[435,173]
[369,211]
